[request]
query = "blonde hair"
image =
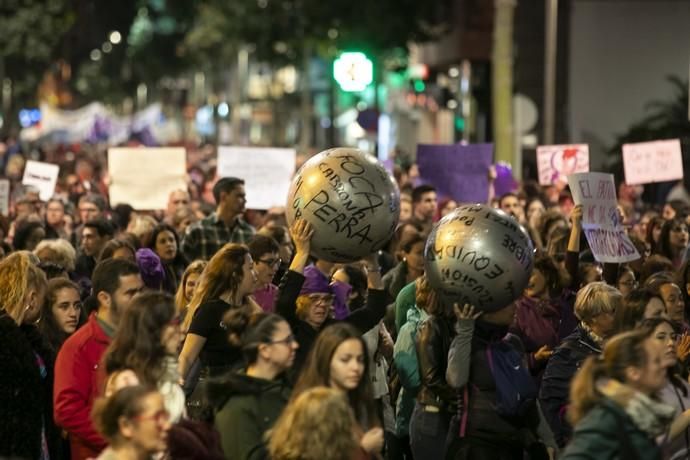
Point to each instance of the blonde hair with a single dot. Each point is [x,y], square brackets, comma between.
[18,275]
[58,251]
[317,425]
[222,274]
[195,268]
[597,298]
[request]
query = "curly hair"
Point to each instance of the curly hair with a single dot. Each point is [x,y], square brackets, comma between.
[316,425]
[137,344]
[59,252]
[19,274]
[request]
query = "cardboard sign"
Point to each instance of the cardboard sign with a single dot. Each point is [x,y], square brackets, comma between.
[5,197]
[144,177]
[556,162]
[649,162]
[43,176]
[609,242]
[267,173]
[460,172]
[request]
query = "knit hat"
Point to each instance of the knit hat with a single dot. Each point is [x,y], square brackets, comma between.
[151,268]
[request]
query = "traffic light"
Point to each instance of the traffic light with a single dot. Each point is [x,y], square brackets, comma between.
[353,71]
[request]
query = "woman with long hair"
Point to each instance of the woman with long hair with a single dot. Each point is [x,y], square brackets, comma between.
[676,392]
[674,240]
[247,403]
[225,284]
[612,401]
[188,282]
[339,360]
[61,312]
[316,425]
[145,347]
[134,421]
[27,363]
[166,244]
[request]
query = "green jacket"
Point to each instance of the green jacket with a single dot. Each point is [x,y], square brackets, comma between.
[608,433]
[404,302]
[245,408]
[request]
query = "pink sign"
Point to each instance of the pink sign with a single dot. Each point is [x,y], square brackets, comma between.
[556,162]
[648,162]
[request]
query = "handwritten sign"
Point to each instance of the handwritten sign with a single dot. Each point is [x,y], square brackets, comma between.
[596,192]
[457,171]
[649,162]
[144,177]
[43,176]
[556,162]
[267,173]
[5,197]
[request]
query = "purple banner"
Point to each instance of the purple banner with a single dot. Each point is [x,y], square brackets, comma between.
[504,182]
[457,171]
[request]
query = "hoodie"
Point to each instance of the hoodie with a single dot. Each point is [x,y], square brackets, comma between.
[245,407]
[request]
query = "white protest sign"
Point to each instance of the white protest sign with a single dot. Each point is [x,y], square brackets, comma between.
[556,162]
[596,192]
[144,177]
[649,162]
[267,173]
[43,176]
[5,197]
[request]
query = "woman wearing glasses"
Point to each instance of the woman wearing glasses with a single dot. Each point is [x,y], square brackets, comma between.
[248,402]
[134,421]
[265,254]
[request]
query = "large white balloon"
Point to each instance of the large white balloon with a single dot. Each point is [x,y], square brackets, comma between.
[350,199]
[480,256]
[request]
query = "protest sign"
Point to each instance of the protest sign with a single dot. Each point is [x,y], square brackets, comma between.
[556,162]
[5,197]
[267,173]
[649,162]
[601,224]
[457,171]
[144,177]
[43,176]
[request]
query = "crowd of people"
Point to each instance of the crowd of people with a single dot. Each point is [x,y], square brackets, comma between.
[209,331]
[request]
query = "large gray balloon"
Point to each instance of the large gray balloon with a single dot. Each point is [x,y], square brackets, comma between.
[480,256]
[350,199]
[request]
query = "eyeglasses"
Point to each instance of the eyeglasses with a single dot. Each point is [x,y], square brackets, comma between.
[321,298]
[271,262]
[289,340]
[160,417]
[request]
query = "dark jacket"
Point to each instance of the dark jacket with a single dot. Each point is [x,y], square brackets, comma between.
[608,433]
[363,319]
[555,385]
[26,392]
[395,280]
[245,408]
[433,343]
[469,371]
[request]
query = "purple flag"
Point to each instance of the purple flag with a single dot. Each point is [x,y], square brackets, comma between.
[504,182]
[457,171]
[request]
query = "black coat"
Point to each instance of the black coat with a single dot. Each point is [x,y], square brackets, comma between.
[363,319]
[555,385]
[26,397]
[432,345]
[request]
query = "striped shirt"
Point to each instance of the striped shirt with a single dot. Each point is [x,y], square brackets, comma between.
[205,237]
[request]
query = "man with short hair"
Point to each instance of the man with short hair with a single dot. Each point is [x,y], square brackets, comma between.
[79,378]
[176,200]
[510,204]
[95,233]
[423,207]
[225,225]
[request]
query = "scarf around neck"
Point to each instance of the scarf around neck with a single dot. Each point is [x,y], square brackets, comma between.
[649,415]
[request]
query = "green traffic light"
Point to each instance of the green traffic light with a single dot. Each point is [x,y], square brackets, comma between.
[419,86]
